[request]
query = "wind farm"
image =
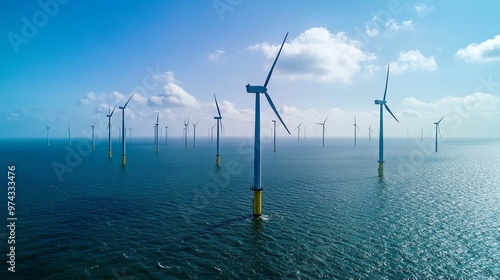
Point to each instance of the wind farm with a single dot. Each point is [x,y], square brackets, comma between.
[312,208]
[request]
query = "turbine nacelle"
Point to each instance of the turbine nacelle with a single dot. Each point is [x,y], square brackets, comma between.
[380,102]
[256,89]
[217,118]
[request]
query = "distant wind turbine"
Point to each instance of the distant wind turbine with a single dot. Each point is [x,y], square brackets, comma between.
[109,115]
[298,132]
[194,133]
[383,104]
[355,127]
[257,186]
[324,129]
[438,129]
[69,134]
[48,139]
[274,131]
[218,119]
[370,133]
[166,134]
[93,142]
[157,133]
[124,140]
[186,126]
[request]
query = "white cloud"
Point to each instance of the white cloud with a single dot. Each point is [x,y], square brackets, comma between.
[423,10]
[317,55]
[215,55]
[486,51]
[88,99]
[393,25]
[372,32]
[413,61]
[173,95]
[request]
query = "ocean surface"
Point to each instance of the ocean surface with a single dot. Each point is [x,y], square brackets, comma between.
[174,215]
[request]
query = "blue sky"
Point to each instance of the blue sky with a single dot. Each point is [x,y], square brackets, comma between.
[63,61]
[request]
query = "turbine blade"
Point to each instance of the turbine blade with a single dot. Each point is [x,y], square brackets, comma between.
[325,120]
[439,131]
[128,100]
[274,64]
[386,82]
[217,104]
[276,111]
[113,111]
[389,110]
[157,118]
[440,120]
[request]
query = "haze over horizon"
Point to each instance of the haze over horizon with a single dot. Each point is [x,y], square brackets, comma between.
[63,62]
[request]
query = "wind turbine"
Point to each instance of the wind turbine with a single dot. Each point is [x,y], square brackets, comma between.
[186,126]
[298,132]
[274,131]
[166,134]
[93,142]
[124,146]
[257,186]
[370,133]
[355,127]
[48,140]
[324,129]
[109,115]
[437,129]
[383,104]
[194,133]
[69,134]
[219,124]
[157,133]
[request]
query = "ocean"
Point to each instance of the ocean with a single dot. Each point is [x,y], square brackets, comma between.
[175,215]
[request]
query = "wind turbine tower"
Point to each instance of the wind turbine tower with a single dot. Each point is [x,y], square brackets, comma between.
[109,115]
[383,104]
[324,129]
[355,128]
[194,133]
[48,139]
[218,118]
[257,184]
[93,142]
[437,129]
[124,144]
[298,132]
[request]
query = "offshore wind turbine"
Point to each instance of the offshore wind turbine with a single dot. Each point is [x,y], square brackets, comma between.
[274,131]
[383,104]
[166,134]
[194,133]
[370,133]
[186,126]
[219,125]
[109,115]
[324,129]
[438,129]
[69,134]
[124,146]
[298,132]
[93,142]
[257,184]
[355,127]
[157,133]
[48,140]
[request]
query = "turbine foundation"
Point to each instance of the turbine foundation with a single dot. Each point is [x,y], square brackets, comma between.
[257,202]
[110,154]
[217,160]
[124,160]
[381,169]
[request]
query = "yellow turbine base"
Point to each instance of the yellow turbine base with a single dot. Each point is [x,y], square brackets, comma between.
[381,169]
[257,203]
[124,159]
[217,160]
[110,154]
